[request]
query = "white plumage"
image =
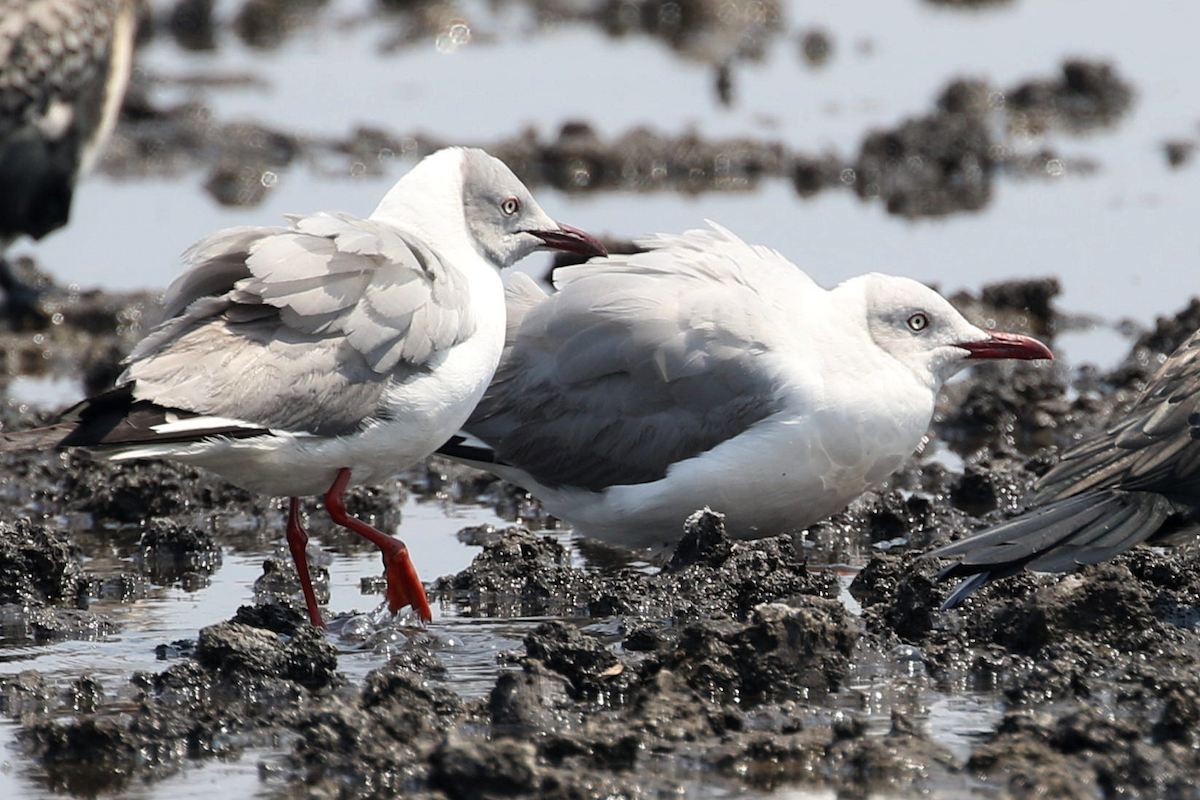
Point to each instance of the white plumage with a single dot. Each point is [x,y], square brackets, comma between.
[710,372]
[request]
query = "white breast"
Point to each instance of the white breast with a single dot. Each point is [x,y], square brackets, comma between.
[784,473]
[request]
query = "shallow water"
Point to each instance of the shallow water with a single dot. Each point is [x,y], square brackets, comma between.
[468,647]
[1121,239]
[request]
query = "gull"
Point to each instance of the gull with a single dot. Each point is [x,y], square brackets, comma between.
[710,372]
[64,66]
[1137,481]
[300,360]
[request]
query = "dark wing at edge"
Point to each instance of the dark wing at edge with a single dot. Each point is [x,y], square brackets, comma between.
[1057,537]
[42,67]
[1152,448]
[114,419]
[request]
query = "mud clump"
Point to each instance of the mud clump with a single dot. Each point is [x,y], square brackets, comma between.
[527,575]
[782,652]
[1086,95]
[234,650]
[240,679]
[1087,753]
[708,575]
[279,586]
[1021,406]
[930,166]
[135,492]
[38,565]
[40,573]
[170,550]
[1152,347]
[1179,152]
[84,336]
[1031,301]
[706,30]
[945,161]
[579,159]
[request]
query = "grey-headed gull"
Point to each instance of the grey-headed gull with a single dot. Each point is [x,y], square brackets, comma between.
[711,372]
[299,360]
[1137,481]
[64,65]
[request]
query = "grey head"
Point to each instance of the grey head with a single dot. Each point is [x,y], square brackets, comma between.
[464,190]
[920,329]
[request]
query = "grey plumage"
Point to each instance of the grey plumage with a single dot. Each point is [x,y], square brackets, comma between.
[706,371]
[1137,481]
[588,344]
[300,328]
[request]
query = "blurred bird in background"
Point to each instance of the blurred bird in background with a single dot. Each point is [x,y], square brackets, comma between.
[64,66]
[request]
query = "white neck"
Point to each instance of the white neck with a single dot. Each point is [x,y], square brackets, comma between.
[427,200]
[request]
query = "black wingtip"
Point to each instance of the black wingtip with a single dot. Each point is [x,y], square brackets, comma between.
[461,448]
[964,589]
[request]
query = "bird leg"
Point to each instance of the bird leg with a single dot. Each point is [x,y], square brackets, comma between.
[297,539]
[403,586]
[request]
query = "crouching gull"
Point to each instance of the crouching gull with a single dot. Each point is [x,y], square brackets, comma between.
[1138,481]
[711,372]
[64,65]
[300,360]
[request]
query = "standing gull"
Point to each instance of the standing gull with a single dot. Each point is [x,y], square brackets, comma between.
[710,372]
[64,65]
[300,360]
[1138,481]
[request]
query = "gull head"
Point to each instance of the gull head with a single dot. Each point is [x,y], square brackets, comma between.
[920,329]
[462,194]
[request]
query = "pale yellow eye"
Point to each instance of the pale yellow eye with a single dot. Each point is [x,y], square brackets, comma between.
[510,206]
[918,322]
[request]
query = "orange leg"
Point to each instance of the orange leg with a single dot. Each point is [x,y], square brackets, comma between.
[297,539]
[403,586]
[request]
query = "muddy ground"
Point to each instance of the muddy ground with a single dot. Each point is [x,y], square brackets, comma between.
[729,667]
[734,665]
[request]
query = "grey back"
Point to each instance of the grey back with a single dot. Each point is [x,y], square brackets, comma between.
[301,328]
[640,361]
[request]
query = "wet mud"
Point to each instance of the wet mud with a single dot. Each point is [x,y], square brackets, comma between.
[747,666]
[819,659]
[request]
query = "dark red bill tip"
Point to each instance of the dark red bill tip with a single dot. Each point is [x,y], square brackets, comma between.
[572,240]
[1000,344]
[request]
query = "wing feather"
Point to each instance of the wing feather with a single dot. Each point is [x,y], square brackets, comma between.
[300,328]
[1150,449]
[1058,537]
[638,362]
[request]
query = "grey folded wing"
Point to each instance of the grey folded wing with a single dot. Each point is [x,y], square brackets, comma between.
[301,328]
[627,370]
[1154,447]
